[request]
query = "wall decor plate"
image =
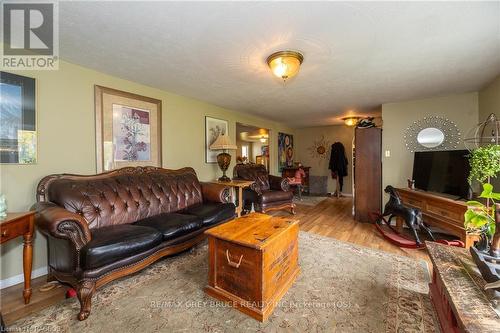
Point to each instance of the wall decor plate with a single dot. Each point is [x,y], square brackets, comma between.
[432,133]
[319,148]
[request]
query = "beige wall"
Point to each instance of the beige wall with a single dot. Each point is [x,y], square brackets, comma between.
[305,138]
[489,100]
[396,169]
[65,110]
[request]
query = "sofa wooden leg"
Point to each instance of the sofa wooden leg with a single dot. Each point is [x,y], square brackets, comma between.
[292,209]
[85,291]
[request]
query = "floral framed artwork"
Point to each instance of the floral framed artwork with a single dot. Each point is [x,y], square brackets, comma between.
[213,128]
[128,129]
[18,129]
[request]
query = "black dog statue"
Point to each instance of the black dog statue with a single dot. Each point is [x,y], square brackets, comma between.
[412,216]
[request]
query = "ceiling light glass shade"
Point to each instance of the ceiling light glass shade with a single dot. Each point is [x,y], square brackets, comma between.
[350,121]
[285,64]
[263,139]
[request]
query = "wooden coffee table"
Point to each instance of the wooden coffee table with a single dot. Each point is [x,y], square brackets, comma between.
[253,261]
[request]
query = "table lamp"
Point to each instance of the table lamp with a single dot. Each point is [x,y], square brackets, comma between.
[223,159]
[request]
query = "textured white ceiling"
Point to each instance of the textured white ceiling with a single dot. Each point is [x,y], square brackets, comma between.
[358,55]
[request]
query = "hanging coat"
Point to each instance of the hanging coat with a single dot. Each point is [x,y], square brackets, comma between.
[338,163]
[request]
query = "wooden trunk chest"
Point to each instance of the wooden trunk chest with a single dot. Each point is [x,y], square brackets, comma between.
[253,261]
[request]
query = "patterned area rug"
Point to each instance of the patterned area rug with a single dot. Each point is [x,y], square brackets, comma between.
[342,288]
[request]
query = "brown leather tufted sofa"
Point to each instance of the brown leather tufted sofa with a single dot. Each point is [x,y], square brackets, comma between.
[268,192]
[106,226]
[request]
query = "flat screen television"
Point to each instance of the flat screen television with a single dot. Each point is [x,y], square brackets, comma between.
[443,172]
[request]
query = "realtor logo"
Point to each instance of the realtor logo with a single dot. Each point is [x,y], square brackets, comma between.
[30,35]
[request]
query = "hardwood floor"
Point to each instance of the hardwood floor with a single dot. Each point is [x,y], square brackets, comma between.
[331,218]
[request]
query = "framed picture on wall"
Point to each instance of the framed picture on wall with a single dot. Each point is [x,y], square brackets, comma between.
[285,150]
[128,129]
[18,130]
[213,128]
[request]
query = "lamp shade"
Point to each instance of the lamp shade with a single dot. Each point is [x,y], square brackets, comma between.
[222,142]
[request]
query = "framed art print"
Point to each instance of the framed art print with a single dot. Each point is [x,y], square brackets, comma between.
[285,150]
[213,128]
[18,129]
[128,129]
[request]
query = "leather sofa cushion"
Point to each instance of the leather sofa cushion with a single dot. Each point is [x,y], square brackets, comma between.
[172,225]
[212,213]
[112,243]
[273,196]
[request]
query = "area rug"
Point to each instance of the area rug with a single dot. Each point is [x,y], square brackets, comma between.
[342,288]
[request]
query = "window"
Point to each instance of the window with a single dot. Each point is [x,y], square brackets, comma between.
[244,151]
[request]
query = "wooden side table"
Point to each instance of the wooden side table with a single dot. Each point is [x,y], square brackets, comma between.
[237,185]
[16,225]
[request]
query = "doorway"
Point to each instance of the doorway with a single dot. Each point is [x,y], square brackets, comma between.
[252,145]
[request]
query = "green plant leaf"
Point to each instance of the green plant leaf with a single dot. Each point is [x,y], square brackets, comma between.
[473,203]
[476,220]
[488,192]
[491,229]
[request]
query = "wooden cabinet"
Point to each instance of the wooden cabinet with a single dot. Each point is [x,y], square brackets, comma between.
[253,261]
[367,162]
[290,172]
[437,211]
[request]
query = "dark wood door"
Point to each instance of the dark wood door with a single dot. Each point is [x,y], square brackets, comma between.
[367,173]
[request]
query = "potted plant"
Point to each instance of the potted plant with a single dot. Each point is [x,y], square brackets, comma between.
[480,217]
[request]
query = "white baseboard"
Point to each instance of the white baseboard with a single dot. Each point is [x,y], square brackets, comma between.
[16,279]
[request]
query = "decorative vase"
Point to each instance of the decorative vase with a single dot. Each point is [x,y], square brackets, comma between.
[224,159]
[3,206]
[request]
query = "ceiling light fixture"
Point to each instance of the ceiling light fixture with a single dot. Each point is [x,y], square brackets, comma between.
[263,139]
[350,121]
[285,64]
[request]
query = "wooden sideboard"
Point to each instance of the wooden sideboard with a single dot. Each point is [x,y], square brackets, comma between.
[438,211]
[290,172]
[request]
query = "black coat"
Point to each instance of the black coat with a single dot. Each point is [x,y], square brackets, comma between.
[338,160]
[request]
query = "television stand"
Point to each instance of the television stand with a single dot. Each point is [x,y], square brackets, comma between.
[438,211]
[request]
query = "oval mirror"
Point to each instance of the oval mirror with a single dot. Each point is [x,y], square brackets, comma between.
[430,137]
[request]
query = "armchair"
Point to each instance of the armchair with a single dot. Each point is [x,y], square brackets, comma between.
[268,192]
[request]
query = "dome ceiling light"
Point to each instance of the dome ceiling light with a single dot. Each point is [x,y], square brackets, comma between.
[285,64]
[350,121]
